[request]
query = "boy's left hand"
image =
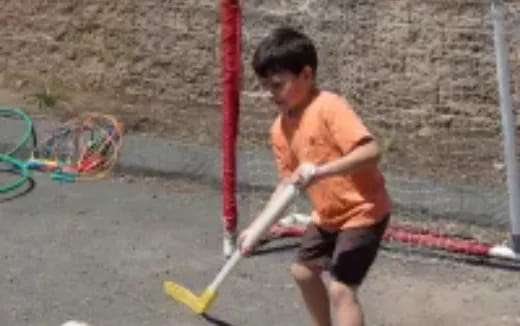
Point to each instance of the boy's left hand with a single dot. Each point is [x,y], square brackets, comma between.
[304,175]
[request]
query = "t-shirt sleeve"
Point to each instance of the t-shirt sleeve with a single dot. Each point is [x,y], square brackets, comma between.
[345,125]
[282,155]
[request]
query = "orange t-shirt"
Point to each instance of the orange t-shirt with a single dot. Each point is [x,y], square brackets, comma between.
[324,131]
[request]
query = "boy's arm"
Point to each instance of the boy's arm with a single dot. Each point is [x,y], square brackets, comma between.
[256,221]
[350,134]
[365,154]
[285,166]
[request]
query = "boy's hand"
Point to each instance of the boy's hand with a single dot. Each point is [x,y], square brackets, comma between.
[304,175]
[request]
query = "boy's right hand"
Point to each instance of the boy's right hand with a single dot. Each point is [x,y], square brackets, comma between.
[303,175]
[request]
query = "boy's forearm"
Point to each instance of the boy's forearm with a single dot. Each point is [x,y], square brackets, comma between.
[359,158]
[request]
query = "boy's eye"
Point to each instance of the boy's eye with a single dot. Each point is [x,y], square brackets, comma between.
[272,85]
[277,85]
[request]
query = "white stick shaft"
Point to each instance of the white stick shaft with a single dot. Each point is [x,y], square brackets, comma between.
[260,225]
[225,270]
[270,215]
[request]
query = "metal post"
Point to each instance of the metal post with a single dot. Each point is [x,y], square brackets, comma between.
[231,65]
[508,121]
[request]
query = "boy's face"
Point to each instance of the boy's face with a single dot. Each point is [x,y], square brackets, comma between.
[288,90]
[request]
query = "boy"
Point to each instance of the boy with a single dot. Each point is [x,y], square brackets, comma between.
[351,207]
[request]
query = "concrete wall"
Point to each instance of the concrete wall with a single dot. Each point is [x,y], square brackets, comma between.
[421,73]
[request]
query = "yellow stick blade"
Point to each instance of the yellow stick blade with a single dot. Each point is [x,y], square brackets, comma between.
[198,304]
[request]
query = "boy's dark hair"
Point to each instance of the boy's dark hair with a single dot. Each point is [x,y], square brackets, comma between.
[285,49]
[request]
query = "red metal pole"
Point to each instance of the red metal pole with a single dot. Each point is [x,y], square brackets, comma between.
[231,64]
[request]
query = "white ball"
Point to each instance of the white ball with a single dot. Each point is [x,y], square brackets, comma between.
[303,218]
[288,220]
[74,323]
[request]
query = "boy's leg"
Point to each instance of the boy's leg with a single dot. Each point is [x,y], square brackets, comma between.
[346,304]
[314,293]
[355,252]
[315,252]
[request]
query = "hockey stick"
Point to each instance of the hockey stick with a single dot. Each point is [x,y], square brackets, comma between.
[200,303]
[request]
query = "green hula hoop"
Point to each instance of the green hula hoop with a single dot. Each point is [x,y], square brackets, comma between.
[29,133]
[19,166]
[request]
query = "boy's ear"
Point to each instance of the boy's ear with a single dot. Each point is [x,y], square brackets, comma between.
[307,73]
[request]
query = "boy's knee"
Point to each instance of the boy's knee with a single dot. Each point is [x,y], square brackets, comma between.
[304,273]
[341,293]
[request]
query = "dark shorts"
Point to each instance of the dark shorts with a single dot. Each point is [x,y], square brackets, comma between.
[346,254]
